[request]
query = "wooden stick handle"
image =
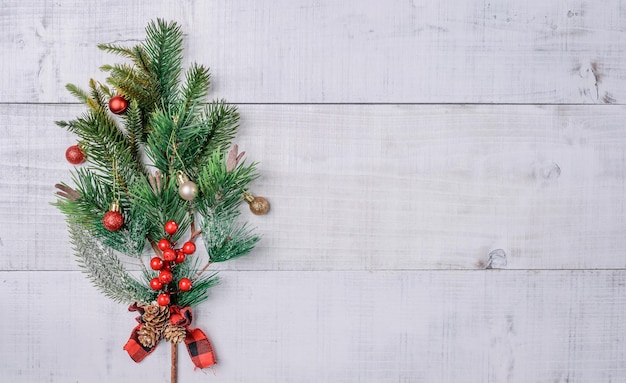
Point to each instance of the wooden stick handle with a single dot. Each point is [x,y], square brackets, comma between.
[174,377]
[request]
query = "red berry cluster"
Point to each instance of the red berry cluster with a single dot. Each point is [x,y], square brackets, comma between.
[170,258]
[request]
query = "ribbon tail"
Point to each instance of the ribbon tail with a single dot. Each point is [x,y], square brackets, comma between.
[200,349]
[135,349]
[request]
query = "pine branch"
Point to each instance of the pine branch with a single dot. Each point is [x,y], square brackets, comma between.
[221,188]
[197,81]
[160,206]
[163,46]
[198,292]
[219,125]
[106,147]
[161,141]
[105,270]
[168,122]
[133,123]
[116,49]
[77,92]
[225,238]
[87,212]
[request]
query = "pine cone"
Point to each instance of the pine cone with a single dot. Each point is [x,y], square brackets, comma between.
[154,319]
[156,316]
[175,334]
[149,336]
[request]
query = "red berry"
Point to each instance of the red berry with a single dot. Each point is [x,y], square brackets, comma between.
[165,276]
[155,284]
[180,257]
[184,284]
[156,263]
[189,247]
[163,299]
[167,266]
[74,155]
[164,244]
[171,227]
[169,255]
[118,104]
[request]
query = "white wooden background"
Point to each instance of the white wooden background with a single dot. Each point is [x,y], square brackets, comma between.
[400,143]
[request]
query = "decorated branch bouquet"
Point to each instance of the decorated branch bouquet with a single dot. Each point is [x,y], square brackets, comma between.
[159,174]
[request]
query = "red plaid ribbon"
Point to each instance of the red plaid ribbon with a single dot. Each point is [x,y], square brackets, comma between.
[197,343]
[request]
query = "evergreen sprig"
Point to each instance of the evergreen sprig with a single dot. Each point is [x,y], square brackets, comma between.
[169,122]
[221,189]
[106,271]
[225,238]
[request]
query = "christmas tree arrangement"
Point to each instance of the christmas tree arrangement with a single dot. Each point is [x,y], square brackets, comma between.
[159,173]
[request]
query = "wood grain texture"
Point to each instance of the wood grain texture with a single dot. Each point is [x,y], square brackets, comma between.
[405,146]
[378,187]
[384,326]
[326,51]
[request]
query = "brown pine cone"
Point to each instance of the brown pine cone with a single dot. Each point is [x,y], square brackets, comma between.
[156,315]
[149,336]
[175,334]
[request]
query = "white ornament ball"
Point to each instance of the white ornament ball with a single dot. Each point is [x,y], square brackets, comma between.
[188,190]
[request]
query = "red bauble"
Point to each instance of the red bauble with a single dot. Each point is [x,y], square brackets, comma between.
[189,247]
[184,284]
[155,284]
[156,263]
[169,255]
[165,276]
[163,299]
[171,227]
[180,257]
[74,155]
[113,220]
[118,104]
[164,244]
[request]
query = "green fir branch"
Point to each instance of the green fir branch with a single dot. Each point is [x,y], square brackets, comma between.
[80,94]
[199,291]
[225,238]
[201,283]
[220,122]
[106,147]
[160,141]
[133,123]
[160,206]
[195,89]
[221,190]
[170,124]
[117,49]
[164,47]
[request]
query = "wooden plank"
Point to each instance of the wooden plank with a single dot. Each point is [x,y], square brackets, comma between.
[377,187]
[392,326]
[337,52]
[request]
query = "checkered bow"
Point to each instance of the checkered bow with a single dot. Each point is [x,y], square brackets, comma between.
[197,343]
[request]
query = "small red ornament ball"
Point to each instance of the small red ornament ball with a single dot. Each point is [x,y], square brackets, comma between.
[155,284]
[169,255]
[164,244]
[156,263]
[163,299]
[165,276]
[118,104]
[113,220]
[180,257]
[74,155]
[189,247]
[184,284]
[171,227]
